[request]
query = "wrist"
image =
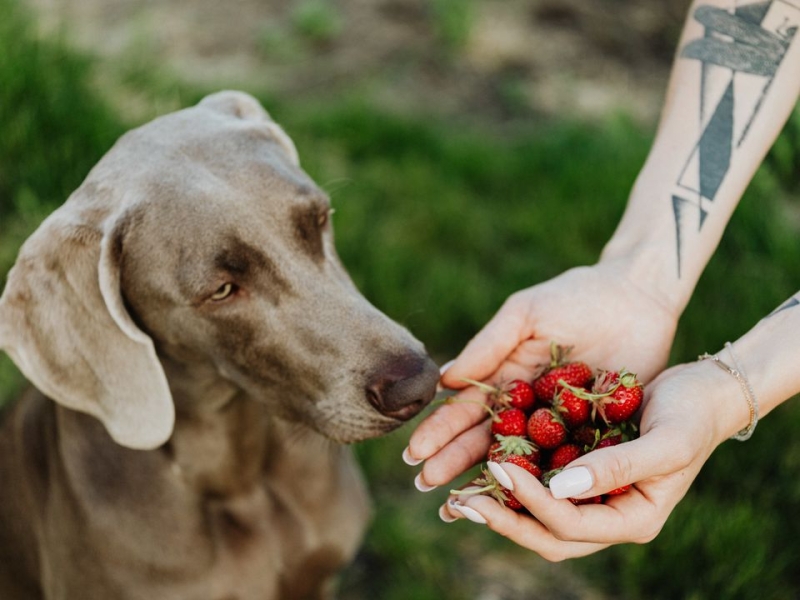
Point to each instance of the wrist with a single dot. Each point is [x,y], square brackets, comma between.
[733,368]
[722,398]
[649,264]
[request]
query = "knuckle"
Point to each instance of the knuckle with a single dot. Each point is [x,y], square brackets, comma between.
[620,468]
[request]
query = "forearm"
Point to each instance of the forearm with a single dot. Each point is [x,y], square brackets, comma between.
[735,81]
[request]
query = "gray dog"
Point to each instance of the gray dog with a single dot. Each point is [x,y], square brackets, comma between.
[199,353]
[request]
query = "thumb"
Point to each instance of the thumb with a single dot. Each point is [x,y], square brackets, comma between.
[607,469]
[485,352]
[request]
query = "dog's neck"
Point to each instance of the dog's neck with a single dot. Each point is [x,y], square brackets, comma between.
[225,440]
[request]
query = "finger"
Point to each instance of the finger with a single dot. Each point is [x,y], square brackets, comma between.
[446,423]
[526,530]
[461,454]
[491,345]
[649,456]
[442,369]
[592,523]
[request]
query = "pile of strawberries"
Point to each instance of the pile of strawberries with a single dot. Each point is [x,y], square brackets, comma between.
[565,412]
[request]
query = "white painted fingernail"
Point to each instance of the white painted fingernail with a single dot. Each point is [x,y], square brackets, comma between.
[421,485]
[410,460]
[470,513]
[571,482]
[501,475]
[442,369]
[445,516]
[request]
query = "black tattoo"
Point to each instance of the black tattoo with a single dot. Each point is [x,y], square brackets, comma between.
[747,41]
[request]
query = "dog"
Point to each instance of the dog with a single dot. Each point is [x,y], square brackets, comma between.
[200,360]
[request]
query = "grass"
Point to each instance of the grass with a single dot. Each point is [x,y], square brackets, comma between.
[438,224]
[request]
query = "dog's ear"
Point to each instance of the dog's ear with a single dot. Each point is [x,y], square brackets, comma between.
[63,322]
[244,106]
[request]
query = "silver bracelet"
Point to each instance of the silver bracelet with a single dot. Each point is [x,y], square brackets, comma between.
[747,389]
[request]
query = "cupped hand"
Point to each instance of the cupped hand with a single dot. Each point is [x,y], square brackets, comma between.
[680,428]
[609,320]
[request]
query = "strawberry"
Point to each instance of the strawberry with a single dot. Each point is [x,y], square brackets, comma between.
[619,490]
[622,400]
[573,409]
[514,445]
[590,500]
[511,502]
[577,374]
[510,421]
[521,461]
[488,485]
[517,394]
[520,394]
[586,435]
[515,459]
[546,429]
[563,455]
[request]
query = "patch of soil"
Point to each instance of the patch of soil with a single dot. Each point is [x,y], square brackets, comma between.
[499,60]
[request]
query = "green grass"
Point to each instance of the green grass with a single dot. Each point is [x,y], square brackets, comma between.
[438,223]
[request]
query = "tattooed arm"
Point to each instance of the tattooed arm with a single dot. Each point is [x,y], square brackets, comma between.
[734,83]
[735,80]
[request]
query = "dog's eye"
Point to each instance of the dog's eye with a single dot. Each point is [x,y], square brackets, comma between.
[324,217]
[223,292]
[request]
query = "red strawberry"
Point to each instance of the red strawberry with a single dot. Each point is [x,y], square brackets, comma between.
[611,438]
[521,461]
[577,374]
[573,409]
[585,435]
[520,394]
[510,421]
[510,501]
[546,429]
[513,444]
[591,500]
[619,490]
[622,400]
[507,497]
[563,455]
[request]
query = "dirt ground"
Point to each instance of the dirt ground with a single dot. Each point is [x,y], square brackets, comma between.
[492,59]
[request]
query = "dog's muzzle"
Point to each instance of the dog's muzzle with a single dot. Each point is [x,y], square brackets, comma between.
[404,386]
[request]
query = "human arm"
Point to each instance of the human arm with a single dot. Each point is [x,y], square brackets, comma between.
[711,139]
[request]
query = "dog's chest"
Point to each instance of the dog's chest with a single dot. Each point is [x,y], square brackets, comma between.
[209,530]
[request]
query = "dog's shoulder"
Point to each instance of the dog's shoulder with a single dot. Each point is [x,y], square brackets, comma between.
[26,428]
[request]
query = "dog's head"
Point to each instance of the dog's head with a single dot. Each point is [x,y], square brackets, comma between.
[198,240]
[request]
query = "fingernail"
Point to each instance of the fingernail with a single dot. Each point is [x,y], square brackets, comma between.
[470,513]
[442,369]
[421,485]
[445,516]
[571,482]
[501,475]
[410,460]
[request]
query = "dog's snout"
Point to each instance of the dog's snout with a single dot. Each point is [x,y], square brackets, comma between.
[403,387]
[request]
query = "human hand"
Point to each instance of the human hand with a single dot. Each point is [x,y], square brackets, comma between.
[687,412]
[611,322]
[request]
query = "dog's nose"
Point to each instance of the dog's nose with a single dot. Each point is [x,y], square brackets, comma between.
[403,387]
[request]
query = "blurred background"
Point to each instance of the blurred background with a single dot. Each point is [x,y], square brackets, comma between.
[471,148]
